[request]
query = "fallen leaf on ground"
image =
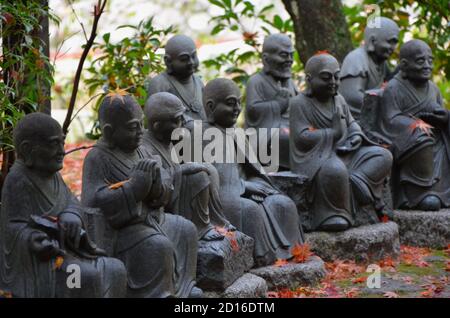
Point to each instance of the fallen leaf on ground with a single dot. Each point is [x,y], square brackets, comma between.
[280,262]
[390,295]
[301,253]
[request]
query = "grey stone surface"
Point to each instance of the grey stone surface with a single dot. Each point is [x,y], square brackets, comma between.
[219,265]
[292,275]
[362,244]
[247,286]
[424,228]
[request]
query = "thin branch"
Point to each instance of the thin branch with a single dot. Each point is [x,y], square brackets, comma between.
[78,19]
[98,10]
[81,108]
[58,50]
[77,148]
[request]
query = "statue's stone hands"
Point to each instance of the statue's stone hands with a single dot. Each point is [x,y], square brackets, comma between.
[282,97]
[193,167]
[257,190]
[70,228]
[436,118]
[43,246]
[338,129]
[141,178]
[351,144]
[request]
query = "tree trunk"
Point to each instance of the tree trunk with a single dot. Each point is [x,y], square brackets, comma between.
[319,25]
[43,34]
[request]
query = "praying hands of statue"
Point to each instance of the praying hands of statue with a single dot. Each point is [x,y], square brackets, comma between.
[141,178]
[439,117]
[43,246]
[257,191]
[336,124]
[282,97]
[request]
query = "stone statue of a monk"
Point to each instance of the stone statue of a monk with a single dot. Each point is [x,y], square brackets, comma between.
[366,67]
[159,249]
[195,193]
[327,145]
[41,224]
[250,201]
[179,79]
[268,93]
[415,121]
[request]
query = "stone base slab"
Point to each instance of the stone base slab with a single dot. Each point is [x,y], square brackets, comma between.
[220,263]
[424,228]
[364,244]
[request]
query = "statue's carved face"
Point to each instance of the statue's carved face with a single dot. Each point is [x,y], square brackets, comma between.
[384,43]
[184,64]
[419,66]
[47,154]
[166,127]
[278,63]
[324,80]
[226,112]
[127,131]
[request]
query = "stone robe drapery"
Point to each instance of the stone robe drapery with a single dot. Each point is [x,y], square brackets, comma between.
[186,188]
[192,99]
[401,106]
[273,223]
[158,249]
[359,64]
[332,174]
[262,110]
[21,272]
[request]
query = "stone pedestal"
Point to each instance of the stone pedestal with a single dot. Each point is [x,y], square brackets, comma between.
[364,244]
[247,286]
[424,228]
[292,275]
[295,186]
[220,263]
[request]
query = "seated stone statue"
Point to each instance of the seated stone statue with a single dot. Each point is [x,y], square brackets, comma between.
[195,193]
[366,67]
[327,145]
[250,201]
[41,220]
[414,119]
[268,92]
[179,79]
[158,249]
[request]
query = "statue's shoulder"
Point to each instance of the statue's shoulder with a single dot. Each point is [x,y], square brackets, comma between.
[158,83]
[355,63]
[255,79]
[299,100]
[16,180]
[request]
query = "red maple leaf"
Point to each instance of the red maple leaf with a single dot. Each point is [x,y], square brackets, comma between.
[420,124]
[311,128]
[301,253]
[385,219]
[280,262]
[231,237]
[390,294]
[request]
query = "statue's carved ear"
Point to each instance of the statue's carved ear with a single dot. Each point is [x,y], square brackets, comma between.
[371,44]
[210,106]
[264,56]
[403,66]
[156,125]
[108,131]
[25,150]
[167,59]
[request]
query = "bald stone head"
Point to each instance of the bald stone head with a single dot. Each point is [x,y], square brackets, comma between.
[381,38]
[121,121]
[278,56]
[322,76]
[416,61]
[181,56]
[162,108]
[39,143]
[222,101]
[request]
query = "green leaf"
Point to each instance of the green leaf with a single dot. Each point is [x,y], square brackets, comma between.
[278,22]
